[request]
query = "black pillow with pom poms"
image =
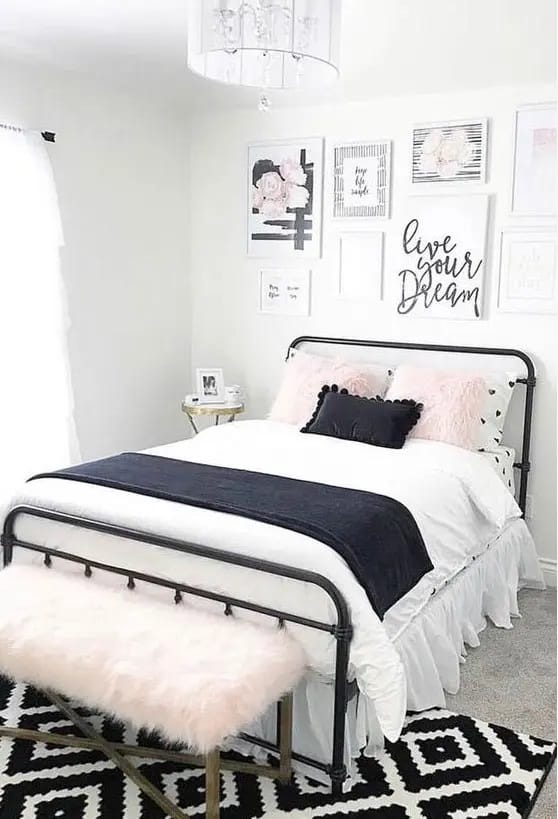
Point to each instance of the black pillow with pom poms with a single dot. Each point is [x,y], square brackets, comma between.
[366,420]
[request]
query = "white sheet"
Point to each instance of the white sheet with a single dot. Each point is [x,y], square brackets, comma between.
[458,501]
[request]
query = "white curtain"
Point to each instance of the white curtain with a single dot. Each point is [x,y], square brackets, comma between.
[36,426]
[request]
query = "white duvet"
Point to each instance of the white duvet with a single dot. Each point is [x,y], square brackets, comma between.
[455,496]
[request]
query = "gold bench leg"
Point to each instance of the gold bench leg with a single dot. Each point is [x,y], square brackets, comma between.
[212,785]
[117,754]
[119,760]
[285,738]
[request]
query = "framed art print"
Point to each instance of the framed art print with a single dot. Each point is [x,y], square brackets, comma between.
[361,257]
[450,151]
[362,180]
[285,199]
[528,281]
[285,292]
[441,264]
[534,174]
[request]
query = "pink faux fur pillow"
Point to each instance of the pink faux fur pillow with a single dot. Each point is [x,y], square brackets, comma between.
[305,375]
[452,403]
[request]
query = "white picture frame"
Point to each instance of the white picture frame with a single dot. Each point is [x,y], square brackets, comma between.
[362,180]
[210,385]
[361,265]
[528,281]
[450,152]
[284,292]
[440,267]
[285,198]
[534,181]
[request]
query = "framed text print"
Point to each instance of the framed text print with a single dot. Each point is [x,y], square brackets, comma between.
[285,292]
[441,263]
[450,151]
[361,180]
[528,282]
[285,198]
[534,173]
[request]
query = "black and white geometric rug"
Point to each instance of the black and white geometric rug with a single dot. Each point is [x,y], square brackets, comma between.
[444,766]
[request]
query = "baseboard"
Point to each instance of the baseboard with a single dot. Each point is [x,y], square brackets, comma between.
[549,570]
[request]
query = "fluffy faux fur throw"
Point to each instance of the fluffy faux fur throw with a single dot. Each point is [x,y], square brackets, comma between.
[192,676]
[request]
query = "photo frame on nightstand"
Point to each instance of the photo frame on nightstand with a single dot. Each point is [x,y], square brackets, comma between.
[210,385]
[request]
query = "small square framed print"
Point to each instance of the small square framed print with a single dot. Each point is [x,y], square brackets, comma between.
[210,385]
[528,282]
[285,292]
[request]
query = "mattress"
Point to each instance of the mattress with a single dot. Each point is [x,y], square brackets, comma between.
[459,502]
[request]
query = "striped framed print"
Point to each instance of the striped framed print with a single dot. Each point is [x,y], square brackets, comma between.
[362,180]
[450,152]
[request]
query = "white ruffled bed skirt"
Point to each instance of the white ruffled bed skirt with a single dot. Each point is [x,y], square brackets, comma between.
[433,646]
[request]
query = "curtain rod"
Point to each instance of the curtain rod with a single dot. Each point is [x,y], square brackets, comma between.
[48,136]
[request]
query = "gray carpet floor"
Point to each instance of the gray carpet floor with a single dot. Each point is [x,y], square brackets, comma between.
[511,680]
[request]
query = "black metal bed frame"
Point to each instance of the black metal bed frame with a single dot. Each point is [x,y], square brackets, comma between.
[341,630]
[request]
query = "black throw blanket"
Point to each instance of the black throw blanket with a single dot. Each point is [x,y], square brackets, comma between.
[376,535]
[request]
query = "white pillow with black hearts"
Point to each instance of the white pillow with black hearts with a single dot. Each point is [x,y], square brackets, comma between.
[499,391]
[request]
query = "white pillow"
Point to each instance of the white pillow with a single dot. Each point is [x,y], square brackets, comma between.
[499,391]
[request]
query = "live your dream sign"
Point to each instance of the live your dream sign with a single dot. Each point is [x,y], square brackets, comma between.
[441,261]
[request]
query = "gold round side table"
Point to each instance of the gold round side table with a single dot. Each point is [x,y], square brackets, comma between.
[229,411]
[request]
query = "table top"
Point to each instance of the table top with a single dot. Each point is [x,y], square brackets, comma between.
[228,408]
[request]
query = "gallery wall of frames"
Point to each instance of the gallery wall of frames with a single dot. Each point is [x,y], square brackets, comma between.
[441,258]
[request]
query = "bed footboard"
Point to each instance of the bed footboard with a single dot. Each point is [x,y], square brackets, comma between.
[341,630]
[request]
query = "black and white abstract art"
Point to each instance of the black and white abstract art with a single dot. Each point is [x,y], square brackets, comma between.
[450,152]
[444,766]
[440,267]
[361,180]
[285,199]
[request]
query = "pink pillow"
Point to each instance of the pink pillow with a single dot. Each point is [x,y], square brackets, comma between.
[305,375]
[452,403]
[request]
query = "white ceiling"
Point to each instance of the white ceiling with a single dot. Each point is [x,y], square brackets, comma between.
[389,47]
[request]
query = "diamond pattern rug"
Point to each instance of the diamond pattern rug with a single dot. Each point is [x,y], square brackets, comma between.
[444,766]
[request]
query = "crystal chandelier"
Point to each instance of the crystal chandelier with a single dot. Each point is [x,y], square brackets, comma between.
[265,44]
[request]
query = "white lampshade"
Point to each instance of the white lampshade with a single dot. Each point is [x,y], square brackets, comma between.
[265,43]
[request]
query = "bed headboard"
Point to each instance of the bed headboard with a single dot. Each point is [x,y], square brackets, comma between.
[528,381]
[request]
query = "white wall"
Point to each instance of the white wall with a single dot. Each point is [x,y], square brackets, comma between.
[229,332]
[121,173]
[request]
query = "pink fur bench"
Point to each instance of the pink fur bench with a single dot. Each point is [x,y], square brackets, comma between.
[195,678]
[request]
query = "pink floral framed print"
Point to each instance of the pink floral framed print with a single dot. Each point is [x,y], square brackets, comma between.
[285,199]
[450,151]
